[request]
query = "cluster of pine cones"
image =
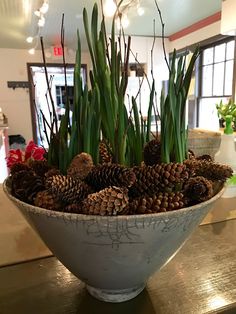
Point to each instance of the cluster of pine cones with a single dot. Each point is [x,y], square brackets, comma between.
[111,189]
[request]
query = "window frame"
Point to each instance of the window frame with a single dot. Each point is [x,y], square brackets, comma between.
[199,73]
[201,67]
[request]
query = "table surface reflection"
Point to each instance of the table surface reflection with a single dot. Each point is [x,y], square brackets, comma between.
[201,278]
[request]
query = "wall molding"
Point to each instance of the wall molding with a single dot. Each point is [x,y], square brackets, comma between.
[196,26]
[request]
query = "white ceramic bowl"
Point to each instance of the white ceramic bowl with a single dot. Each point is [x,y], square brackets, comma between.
[114,256]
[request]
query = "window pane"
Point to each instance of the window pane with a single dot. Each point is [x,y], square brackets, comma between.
[208,118]
[230,50]
[207,80]
[220,53]
[228,77]
[208,56]
[218,80]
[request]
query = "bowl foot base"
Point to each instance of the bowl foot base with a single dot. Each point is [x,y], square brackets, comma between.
[115,296]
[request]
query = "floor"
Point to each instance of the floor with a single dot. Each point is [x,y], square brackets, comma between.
[201,278]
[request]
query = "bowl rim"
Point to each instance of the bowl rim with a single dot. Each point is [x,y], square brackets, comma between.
[76,216]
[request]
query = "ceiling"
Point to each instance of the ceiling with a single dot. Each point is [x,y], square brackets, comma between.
[17,20]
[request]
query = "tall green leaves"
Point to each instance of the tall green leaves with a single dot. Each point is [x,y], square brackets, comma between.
[100,112]
[126,133]
[173,110]
[111,76]
[86,121]
[82,133]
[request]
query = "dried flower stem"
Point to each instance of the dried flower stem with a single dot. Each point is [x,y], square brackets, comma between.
[163,34]
[48,86]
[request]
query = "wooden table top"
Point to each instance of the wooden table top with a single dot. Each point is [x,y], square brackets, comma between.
[201,278]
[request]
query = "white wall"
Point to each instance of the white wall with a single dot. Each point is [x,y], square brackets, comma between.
[16,103]
[195,37]
[141,48]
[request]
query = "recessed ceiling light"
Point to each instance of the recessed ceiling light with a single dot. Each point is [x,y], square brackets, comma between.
[29,39]
[31,51]
[140,11]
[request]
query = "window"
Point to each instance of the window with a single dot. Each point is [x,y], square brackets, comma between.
[216,81]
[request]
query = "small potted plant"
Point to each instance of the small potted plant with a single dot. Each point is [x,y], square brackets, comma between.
[112,203]
[224,110]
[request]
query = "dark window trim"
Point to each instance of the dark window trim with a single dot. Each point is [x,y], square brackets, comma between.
[218,41]
[201,66]
[218,96]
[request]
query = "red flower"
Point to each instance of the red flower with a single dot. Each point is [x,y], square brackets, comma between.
[15,156]
[38,153]
[31,151]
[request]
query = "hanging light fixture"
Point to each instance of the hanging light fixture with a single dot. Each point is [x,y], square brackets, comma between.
[44,8]
[109,8]
[41,22]
[122,22]
[126,8]
[37,13]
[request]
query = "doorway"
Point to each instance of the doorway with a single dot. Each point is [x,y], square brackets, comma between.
[40,100]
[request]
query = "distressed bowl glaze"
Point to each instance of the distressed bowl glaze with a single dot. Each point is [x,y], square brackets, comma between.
[114,256]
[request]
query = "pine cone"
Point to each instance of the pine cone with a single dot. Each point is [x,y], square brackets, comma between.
[205,157]
[110,201]
[18,167]
[152,152]
[151,180]
[210,170]
[46,200]
[40,167]
[198,189]
[104,153]
[25,185]
[73,208]
[106,175]
[161,202]
[67,189]
[191,154]
[80,166]
[52,172]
